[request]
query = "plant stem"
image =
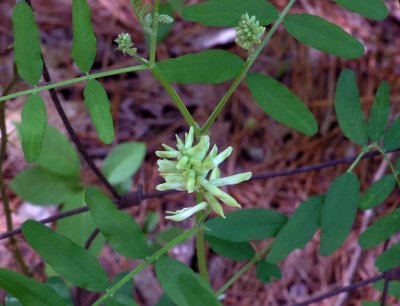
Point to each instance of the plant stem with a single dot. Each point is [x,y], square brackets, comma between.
[4,196]
[388,161]
[153,42]
[144,264]
[260,255]
[159,75]
[364,151]
[73,81]
[250,61]
[200,243]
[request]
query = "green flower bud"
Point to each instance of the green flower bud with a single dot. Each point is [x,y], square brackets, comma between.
[125,44]
[164,18]
[248,32]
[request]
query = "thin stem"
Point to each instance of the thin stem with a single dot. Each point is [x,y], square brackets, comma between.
[250,61]
[200,244]
[153,42]
[260,255]
[145,263]
[360,156]
[389,162]
[159,75]
[73,81]
[4,196]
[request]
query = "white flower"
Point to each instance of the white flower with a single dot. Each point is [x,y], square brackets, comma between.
[189,168]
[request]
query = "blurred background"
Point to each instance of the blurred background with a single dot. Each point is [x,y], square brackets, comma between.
[143,112]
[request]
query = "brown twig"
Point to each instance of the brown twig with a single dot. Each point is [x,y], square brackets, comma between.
[4,196]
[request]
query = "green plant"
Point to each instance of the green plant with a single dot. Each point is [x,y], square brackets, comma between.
[54,180]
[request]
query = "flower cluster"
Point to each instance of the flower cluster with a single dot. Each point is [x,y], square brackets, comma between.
[148,21]
[249,32]
[189,168]
[125,44]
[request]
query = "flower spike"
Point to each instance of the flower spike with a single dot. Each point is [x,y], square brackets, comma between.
[249,32]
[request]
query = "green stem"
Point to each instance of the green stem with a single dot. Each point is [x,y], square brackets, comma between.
[153,42]
[359,157]
[389,162]
[200,244]
[73,81]
[145,263]
[159,75]
[260,255]
[250,61]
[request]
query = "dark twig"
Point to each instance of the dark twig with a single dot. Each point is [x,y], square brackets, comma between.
[386,279]
[337,291]
[72,134]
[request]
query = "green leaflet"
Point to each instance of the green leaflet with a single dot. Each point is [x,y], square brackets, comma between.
[78,228]
[281,104]
[393,290]
[391,140]
[119,228]
[33,127]
[97,102]
[58,284]
[373,9]
[124,161]
[299,229]
[84,42]
[348,108]
[41,187]
[323,35]
[378,192]
[124,296]
[211,67]
[58,155]
[71,261]
[245,225]
[380,113]
[381,230]
[338,212]
[182,285]
[29,291]
[267,272]
[226,13]
[389,259]
[232,250]
[27,53]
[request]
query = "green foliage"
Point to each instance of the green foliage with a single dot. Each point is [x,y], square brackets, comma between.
[391,140]
[339,212]
[29,291]
[124,296]
[380,230]
[84,42]
[211,67]
[68,259]
[323,35]
[41,187]
[281,104]
[378,192]
[231,250]
[168,234]
[27,53]
[348,108]
[124,161]
[119,228]
[373,9]
[58,156]
[182,285]
[393,289]
[379,113]
[267,272]
[389,259]
[244,225]
[97,102]
[226,13]
[59,286]
[299,229]
[78,228]
[140,9]
[33,127]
